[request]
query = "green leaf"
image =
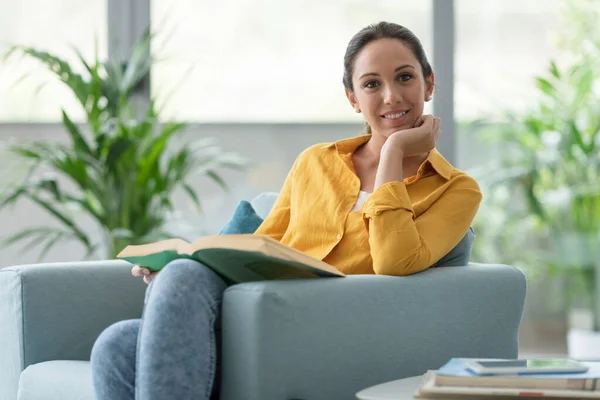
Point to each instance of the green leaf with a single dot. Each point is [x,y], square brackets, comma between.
[155,150]
[119,147]
[179,166]
[25,233]
[192,193]
[26,152]
[90,250]
[100,142]
[51,242]
[79,143]
[51,185]
[585,82]
[39,88]
[217,179]
[111,86]
[21,79]
[43,150]
[13,196]
[554,70]
[61,69]
[53,210]
[533,125]
[10,52]
[138,66]
[576,137]
[94,206]
[545,86]
[535,205]
[95,94]
[82,59]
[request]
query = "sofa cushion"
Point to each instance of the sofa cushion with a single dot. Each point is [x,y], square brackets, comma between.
[263,203]
[57,380]
[459,255]
[244,220]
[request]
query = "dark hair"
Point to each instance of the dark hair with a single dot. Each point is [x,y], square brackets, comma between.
[382,30]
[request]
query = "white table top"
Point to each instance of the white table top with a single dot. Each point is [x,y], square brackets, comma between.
[401,389]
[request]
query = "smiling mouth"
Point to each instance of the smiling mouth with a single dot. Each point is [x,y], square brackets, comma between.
[396,115]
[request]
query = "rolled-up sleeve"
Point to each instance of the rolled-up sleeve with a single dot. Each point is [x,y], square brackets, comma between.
[402,244]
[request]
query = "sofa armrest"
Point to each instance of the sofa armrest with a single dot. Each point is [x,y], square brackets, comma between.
[56,311]
[329,338]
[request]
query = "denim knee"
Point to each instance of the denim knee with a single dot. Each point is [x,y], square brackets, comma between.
[114,353]
[184,274]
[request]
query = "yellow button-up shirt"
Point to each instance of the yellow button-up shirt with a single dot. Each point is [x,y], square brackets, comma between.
[402,228]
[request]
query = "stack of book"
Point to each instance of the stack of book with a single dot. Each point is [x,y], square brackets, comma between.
[456,380]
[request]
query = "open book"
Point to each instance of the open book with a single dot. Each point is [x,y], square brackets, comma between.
[236,258]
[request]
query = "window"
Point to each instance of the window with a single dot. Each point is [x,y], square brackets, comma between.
[264,60]
[500,47]
[53,26]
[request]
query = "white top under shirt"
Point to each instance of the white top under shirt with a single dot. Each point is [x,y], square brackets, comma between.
[362,197]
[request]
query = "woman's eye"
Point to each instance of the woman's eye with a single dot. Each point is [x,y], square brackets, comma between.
[371,84]
[404,77]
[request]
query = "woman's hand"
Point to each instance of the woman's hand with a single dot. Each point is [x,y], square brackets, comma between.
[139,272]
[406,143]
[418,140]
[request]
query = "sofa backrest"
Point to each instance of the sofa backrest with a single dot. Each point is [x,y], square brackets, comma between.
[263,203]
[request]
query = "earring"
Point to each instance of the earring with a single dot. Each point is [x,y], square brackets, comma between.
[357,109]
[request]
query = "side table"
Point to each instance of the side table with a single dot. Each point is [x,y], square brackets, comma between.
[401,389]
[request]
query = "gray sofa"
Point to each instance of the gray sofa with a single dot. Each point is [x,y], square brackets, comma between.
[306,339]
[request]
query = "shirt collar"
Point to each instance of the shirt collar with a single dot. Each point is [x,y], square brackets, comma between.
[347,146]
[434,159]
[440,164]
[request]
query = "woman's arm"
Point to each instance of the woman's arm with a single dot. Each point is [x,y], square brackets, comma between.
[402,244]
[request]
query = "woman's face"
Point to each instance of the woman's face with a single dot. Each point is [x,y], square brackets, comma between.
[389,87]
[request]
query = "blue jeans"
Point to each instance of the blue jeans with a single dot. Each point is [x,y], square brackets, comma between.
[172,351]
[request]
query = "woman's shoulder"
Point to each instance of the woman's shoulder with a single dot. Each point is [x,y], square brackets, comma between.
[315,151]
[448,171]
[330,149]
[463,180]
[462,175]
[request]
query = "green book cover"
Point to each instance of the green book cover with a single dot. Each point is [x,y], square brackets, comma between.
[233,265]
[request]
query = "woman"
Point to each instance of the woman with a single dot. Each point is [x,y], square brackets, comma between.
[382,203]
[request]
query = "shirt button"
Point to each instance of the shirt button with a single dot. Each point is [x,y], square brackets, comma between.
[338,236]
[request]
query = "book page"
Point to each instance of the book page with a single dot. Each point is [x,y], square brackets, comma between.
[236,242]
[152,248]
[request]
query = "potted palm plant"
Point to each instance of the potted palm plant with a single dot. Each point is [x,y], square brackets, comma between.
[120,170]
[551,159]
